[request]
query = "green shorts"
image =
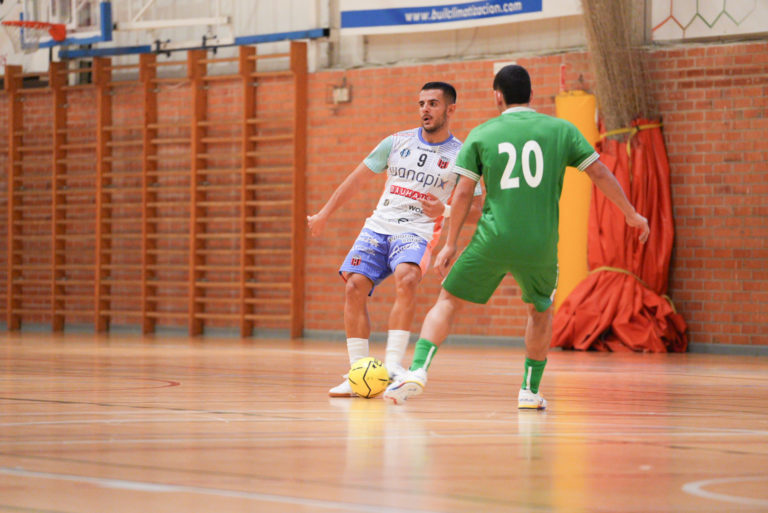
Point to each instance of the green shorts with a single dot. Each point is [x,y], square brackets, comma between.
[475,278]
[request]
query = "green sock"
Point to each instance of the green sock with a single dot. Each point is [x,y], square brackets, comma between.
[532,374]
[423,354]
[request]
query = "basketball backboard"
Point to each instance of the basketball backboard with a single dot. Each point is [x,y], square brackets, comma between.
[92,22]
[87,21]
[117,28]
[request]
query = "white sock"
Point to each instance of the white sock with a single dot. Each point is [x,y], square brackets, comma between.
[397,342]
[357,348]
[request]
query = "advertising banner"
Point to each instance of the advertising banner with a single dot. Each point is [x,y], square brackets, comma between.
[387,17]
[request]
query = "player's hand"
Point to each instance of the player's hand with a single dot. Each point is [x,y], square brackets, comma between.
[316,224]
[432,206]
[637,221]
[444,260]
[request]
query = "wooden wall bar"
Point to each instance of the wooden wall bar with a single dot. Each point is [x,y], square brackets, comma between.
[13,260]
[183,214]
[5,181]
[74,186]
[31,274]
[298,249]
[199,99]
[101,78]
[56,82]
[147,74]
[247,66]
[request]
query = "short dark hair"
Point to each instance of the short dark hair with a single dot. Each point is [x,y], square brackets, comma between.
[449,92]
[514,83]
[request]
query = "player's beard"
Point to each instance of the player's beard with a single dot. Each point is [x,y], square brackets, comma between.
[438,122]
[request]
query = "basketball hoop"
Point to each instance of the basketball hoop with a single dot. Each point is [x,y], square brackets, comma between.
[25,34]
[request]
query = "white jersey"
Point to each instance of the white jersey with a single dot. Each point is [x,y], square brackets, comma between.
[414,168]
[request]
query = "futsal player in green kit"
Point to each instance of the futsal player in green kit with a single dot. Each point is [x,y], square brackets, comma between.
[521,156]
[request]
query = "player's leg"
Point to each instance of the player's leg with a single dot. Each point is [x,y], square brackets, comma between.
[408,257]
[538,285]
[357,325]
[357,322]
[363,267]
[538,334]
[437,325]
[472,279]
[407,278]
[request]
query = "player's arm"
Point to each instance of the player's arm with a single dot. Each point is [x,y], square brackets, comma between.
[461,204]
[434,208]
[602,177]
[351,184]
[476,210]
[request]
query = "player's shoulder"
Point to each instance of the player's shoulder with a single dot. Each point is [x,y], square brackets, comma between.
[403,139]
[453,143]
[456,140]
[539,119]
[406,134]
[554,122]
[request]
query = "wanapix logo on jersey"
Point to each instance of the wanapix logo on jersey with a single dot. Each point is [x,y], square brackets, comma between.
[442,163]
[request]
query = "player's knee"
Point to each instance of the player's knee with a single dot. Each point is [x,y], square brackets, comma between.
[448,303]
[357,289]
[408,282]
[539,317]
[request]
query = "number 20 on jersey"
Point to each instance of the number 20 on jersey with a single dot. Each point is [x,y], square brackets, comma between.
[532,176]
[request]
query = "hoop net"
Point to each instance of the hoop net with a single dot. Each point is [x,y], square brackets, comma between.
[25,35]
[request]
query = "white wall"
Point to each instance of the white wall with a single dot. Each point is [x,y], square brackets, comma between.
[470,43]
[687,19]
[251,17]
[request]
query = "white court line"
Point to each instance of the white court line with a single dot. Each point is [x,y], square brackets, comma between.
[254,439]
[140,486]
[265,416]
[162,411]
[125,421]
[103,413]
[696,488]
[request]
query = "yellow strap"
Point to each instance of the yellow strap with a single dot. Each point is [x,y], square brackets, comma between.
[631,131]
[617,132]
[624,271]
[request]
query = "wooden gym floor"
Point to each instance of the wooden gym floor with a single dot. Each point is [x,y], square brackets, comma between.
[130,424]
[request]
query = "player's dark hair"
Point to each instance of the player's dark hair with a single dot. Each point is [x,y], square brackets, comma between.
[514,83]
[449,92]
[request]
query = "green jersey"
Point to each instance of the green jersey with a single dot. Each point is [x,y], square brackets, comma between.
[521,156]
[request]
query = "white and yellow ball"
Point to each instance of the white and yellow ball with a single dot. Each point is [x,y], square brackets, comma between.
[368,377]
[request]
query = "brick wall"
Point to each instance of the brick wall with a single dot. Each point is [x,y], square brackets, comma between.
[715,105]
[384,100]
[713,100]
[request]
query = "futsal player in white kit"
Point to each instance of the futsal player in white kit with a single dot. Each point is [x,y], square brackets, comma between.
[398,238]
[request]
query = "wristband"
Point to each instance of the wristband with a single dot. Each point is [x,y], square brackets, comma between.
[447,211]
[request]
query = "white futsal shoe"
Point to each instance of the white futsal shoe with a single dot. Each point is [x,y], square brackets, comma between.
[527,400]
[411,384]
[396,372]
[342,390]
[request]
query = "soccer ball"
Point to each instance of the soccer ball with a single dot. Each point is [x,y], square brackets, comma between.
[368,377]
